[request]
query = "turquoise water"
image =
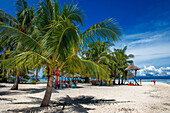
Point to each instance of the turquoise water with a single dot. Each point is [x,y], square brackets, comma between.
[130,80]
[149,80]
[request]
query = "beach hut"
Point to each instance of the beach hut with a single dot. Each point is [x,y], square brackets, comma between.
[131,67]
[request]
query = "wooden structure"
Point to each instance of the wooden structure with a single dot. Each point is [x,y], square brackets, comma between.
[131,67]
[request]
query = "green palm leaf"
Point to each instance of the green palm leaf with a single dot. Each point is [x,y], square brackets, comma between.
[107,30]
[15,35]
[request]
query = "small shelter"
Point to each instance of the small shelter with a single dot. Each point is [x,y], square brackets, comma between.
[131,67]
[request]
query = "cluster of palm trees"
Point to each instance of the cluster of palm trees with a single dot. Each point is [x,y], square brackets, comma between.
[114,63]
[49,36]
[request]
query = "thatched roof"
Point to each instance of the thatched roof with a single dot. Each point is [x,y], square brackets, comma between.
[131,67]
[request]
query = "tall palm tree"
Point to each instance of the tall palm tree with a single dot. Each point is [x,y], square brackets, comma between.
[123,61]
[23,23]
[113,65]
[57,35]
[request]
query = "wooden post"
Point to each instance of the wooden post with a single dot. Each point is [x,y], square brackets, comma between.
[135,75]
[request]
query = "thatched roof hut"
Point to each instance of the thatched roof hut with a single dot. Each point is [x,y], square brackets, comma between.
[131,67]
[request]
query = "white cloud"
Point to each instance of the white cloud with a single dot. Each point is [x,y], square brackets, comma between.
[143,41]
[148,47]
[152,71]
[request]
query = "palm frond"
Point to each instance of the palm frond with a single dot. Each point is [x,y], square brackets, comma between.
[20,6]
[8,19]
[107,30]
[13,34]
[73,13]
[96,69]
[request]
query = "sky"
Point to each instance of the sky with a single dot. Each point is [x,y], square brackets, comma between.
[145,26]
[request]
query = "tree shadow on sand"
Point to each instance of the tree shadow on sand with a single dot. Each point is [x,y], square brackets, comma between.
[32,90]
[24,91]
[8,93]
[67,104]
[77,103]
[1,86]
[7,99]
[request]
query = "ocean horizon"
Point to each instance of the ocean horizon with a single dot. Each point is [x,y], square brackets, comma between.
[167,80]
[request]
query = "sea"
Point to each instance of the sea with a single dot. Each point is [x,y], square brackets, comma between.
[149,80]
[129,80]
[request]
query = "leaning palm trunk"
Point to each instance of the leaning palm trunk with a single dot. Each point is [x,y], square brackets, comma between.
[46,100]
[15,86]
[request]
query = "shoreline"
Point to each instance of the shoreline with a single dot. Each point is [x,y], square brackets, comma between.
[147,98]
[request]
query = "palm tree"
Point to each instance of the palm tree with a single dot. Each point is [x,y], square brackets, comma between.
[19,71]
[23,23]
[98,52]
[57,35]
[123,61]
[113,65]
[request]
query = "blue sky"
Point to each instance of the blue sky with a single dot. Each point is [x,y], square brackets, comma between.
[145,25]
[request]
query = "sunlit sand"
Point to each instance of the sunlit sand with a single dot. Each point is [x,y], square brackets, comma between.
[147,98]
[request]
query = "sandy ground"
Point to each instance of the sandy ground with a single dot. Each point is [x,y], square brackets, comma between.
[93,99]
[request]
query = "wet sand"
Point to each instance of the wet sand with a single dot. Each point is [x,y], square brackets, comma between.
[147,98]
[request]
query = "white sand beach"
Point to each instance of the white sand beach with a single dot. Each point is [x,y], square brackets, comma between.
[147,98]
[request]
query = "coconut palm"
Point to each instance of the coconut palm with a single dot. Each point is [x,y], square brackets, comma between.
[122,62]
[58,34]
[23,23]
[113,64]
[98,52]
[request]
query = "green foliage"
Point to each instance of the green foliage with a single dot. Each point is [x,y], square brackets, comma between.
[55,40]
[82,81]
[33,81]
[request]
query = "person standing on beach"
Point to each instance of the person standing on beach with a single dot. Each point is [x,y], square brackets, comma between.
[154,81]
[140,82]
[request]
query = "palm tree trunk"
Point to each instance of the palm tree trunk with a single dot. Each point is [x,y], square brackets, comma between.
[4,79]
[114,81]
[122,80]
[15,86]
[119,80]
[125,77]
[46,100]
[114,71]
[97,78]
[36,76]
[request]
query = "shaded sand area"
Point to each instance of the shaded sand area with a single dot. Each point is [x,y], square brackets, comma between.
[94,99]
